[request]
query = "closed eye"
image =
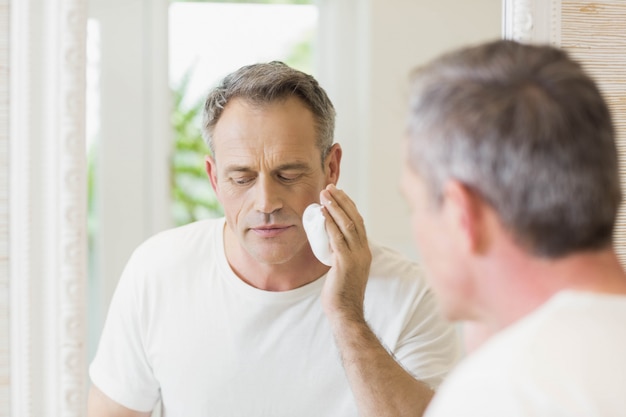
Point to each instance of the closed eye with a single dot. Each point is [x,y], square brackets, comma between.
[242,180]
[288,177]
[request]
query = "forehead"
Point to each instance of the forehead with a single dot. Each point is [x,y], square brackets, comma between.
[276,130]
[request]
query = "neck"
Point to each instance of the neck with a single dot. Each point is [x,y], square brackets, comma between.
[303,268]
[519,283]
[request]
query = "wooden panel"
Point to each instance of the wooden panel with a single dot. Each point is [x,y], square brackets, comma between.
[595,34]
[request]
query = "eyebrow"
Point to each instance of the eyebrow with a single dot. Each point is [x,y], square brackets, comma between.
[237,168]
[295,166]
[292,166]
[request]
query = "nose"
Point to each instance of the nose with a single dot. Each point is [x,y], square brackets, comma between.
[267,195]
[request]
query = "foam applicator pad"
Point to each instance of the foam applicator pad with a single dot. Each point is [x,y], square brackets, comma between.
[313,222]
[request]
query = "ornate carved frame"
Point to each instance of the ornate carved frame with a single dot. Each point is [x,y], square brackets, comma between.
[47,203]
[532,20]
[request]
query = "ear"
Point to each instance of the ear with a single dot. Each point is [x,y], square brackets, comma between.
[332,164]
[211,170]
[464,210]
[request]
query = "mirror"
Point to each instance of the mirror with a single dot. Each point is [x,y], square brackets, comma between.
[362,59]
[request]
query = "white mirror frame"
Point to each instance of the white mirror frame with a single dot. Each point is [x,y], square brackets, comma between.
[4,211]
[47,206]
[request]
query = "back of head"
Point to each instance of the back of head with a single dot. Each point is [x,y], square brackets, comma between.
[525,128]
[265,83]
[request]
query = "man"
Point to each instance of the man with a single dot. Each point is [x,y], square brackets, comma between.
[512,179]
[236,317]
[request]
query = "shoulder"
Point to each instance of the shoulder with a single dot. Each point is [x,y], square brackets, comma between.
[172,262]
[397,290]
[391,264]
[571,328]
[487,383]
[579,340]
[392,272]
[563,357]
[173,254]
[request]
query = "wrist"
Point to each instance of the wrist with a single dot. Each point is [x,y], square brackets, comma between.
[346,316]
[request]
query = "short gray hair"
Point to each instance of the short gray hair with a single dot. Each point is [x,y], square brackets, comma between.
[265,83]
[526,129]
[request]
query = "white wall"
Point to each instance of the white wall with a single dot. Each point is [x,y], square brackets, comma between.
[367,49]
[134,141]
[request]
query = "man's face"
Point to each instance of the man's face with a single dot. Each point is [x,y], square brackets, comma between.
[439,254]
[267,169]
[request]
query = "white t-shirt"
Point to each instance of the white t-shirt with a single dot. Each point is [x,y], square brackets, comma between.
[568,358]
[184,328]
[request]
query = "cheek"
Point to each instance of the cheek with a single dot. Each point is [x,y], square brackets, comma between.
[430,245]
[233,202]
[420,230]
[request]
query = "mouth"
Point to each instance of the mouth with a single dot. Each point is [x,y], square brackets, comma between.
[267,231]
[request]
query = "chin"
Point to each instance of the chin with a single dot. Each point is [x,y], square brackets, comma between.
[273,253]
[270,257]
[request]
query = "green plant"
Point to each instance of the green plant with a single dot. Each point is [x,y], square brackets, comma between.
[192,194]
[301,54]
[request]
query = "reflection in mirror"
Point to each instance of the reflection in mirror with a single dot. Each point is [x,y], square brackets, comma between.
[361,58]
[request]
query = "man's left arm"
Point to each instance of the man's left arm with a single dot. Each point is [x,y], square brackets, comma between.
[381,386]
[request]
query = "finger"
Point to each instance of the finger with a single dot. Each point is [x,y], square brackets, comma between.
[346,217]
[344,212]
[336,237]
[342,199]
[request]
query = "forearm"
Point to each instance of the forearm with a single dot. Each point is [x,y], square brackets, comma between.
[380,385]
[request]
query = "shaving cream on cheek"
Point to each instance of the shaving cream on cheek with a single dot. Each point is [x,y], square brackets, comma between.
[314,225]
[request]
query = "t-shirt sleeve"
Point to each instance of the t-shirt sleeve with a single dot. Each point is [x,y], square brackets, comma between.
[121,369]
[429,345]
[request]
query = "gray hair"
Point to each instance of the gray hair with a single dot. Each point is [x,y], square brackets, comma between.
[265,83]
[526,129]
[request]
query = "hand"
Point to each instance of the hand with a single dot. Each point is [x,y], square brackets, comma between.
[344,289]
[381,386]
